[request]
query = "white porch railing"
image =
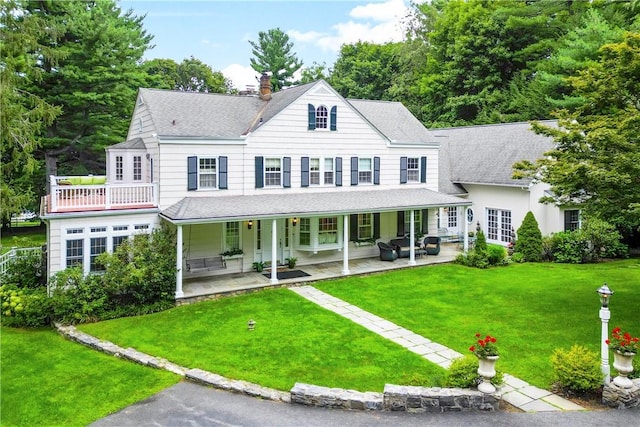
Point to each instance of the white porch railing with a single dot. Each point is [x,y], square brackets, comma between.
[7,257]
[70,197]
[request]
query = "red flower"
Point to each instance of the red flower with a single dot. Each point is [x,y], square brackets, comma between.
[472,348]
[615,330]
[606,342]
[477,335]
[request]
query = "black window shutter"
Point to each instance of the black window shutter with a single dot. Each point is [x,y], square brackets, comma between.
[353,227]
[376,225]
[376,170]
[334,117]
[286,172]
[259,171]
[338,171]
[304,168]
[312,116]
[354,171]
[223,183]
[425,221]
[400,231]
[403,170]
[192,173]
[423,169]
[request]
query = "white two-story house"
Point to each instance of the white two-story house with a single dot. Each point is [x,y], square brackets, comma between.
[298,173]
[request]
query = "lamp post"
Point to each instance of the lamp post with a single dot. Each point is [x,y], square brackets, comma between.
[605,293]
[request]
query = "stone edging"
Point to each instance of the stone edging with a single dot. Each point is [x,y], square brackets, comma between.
[394,397]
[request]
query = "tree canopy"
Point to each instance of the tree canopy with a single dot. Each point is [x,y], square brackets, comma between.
[596,161]
[273,53]
[191,75]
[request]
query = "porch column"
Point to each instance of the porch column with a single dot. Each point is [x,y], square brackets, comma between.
[345,245]
[179,293]
[466,230]
[412,239]
[274,251]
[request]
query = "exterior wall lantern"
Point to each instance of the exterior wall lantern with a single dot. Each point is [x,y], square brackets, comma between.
[294,221]
[250,224]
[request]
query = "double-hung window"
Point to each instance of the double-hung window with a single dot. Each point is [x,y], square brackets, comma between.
[365,226]
[314,171]
[207,172]
[272,172]
[321,117]
[417,222]
[232,235]
[413,169]
[571,220]
[75,252]
[365,171]
[328,171]
[328,230]
[98,246]
[305,231]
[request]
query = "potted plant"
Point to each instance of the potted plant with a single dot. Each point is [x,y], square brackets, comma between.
[292,261]
[258,266]
[486,351]
[624,348]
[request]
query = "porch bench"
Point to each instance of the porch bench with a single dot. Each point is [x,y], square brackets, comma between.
[195,265]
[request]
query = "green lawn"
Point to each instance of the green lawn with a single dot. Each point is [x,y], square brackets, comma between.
[22,239]
[50,381]
[531,308]
[294,341]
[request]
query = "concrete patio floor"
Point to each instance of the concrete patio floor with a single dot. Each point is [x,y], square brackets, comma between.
[211,287]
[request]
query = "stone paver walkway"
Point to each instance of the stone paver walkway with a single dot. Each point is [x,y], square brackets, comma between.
[514,391]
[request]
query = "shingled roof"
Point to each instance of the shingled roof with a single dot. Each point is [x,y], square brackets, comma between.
[486,154]
[220,116]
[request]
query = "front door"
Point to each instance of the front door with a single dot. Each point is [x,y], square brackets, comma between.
[283,246]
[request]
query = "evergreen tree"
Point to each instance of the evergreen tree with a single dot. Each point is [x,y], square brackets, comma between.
[273,53]
[529,242]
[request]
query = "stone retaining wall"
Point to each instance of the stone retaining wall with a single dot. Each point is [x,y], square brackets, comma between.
[622,398]
[394,398]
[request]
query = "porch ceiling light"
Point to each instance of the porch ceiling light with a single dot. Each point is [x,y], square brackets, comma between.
[605,293]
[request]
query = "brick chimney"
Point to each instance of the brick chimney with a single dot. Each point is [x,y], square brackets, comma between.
[265,86]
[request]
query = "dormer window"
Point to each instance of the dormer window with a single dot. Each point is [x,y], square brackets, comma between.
[320,118]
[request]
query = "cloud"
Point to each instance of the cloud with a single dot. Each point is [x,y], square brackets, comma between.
[241,76]
[381,12]
[374,22]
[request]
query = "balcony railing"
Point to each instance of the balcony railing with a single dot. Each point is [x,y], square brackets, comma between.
[67,196]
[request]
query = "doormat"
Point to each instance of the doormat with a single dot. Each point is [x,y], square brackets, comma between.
[289,274]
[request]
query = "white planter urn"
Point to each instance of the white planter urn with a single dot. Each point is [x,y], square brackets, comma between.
[623,363]
[487,370]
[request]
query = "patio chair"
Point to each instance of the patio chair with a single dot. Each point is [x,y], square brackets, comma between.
[432,245]
[387,253]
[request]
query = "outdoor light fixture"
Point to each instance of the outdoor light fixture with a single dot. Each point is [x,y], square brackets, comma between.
[605,293]
[478,226]
[251,325]
[250,224]
[294,221]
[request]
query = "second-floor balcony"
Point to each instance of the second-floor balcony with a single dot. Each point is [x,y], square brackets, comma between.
[92,193]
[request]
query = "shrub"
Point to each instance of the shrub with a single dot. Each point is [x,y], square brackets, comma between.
[578,369]
[24,307]
[570,247]
[604,240]
[473,259]
[463,373]
[26,272]
[517,257]
[481,242]
[496,255]
[529,241]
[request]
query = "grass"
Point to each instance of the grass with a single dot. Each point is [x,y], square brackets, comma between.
[23,238]
[531,309]
[294,341]
[49,381]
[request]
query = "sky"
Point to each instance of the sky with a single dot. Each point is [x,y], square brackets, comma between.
[218,32]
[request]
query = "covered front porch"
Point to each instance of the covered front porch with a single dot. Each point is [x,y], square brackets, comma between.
[337,228]
[204,288]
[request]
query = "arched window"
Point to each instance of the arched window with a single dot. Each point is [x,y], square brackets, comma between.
[322,116]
